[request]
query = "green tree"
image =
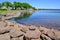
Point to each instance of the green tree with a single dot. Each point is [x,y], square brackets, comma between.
[26,6]
[17,5]
[0,5]
[7,4]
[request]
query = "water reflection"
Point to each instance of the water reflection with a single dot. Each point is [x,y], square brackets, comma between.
[23,15]
[46,18]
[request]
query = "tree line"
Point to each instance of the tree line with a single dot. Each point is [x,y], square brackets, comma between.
[16,5]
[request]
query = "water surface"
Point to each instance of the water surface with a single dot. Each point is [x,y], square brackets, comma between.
[46,18]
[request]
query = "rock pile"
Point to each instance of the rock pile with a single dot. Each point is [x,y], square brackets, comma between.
[14,31]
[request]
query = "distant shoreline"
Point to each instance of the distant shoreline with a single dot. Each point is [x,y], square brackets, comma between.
[48,9]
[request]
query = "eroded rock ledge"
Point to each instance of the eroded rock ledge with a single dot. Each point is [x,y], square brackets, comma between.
[9,15]
[14,31]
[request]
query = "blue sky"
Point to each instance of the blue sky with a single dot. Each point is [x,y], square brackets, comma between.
[55,4]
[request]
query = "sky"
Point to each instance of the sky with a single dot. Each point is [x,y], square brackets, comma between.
[47,4]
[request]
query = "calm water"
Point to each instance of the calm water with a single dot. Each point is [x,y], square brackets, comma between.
[47,18]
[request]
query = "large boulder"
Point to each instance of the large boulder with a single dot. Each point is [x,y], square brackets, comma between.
[13,25]
[51,34]
[43,30]
[44,37]
[57,35]
[5,36]
[15,33]
[54,34]
[24,29]
[32,27]
[3,27]
[33,34]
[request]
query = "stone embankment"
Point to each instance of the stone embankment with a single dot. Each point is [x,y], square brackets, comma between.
[14,31]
